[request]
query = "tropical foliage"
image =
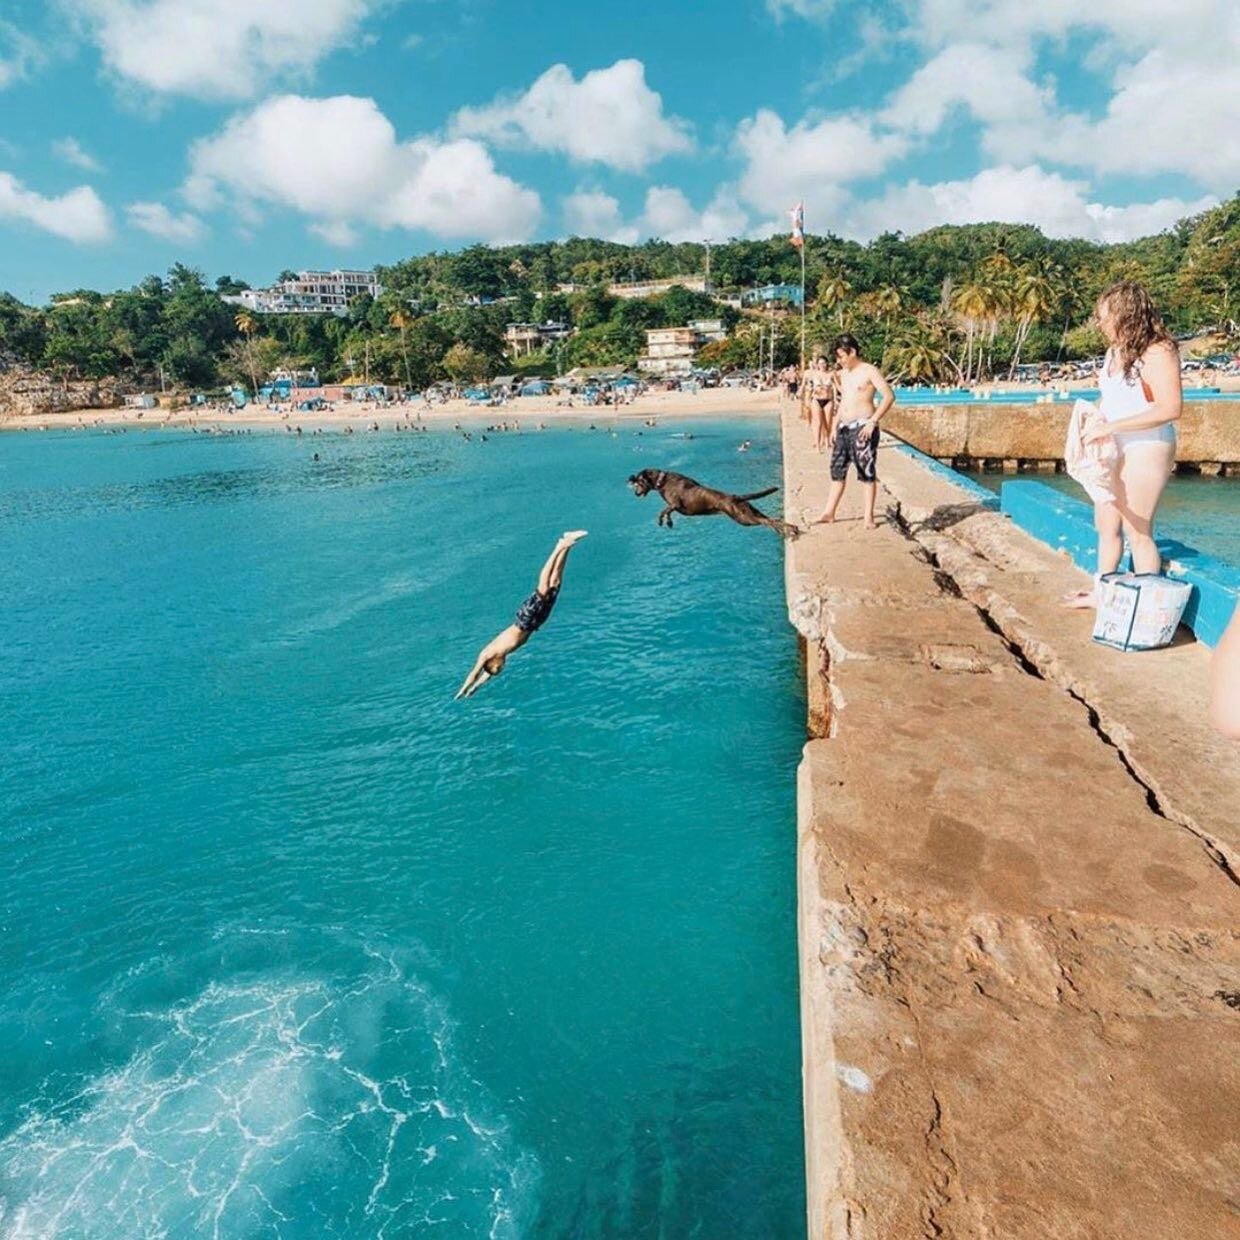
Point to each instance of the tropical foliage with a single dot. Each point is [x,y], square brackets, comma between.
[951,303]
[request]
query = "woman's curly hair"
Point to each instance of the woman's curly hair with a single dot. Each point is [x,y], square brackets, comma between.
[1134,322]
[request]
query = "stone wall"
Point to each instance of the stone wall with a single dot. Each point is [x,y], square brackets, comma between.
[1209,431]
[29,393]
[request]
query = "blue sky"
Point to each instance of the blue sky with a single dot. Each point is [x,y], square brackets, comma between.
[244,136]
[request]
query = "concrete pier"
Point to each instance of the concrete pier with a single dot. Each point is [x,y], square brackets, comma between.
[1019,902]
[1011,437]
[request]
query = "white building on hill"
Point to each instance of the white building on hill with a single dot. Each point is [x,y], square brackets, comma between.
[311,292]
[670,350]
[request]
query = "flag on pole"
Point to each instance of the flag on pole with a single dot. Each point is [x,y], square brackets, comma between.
[798,225]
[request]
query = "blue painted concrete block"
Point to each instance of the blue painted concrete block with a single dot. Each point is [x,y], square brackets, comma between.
[1068,524]
[988,499]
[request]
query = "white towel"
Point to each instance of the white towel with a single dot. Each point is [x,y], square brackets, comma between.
[1093,465]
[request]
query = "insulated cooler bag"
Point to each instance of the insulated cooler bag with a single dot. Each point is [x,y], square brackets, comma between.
[1139,611]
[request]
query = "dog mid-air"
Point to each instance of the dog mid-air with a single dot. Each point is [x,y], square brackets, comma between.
[691,499]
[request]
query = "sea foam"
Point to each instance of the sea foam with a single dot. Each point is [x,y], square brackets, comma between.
[276,1104]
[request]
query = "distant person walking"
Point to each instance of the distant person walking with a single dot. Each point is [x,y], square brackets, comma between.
[853,431]
[1140,401]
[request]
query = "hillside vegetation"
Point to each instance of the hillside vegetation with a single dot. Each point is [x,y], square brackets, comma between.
[955,302]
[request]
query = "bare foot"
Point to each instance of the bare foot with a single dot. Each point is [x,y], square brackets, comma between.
[1079,600]
[572,536]
[827,518]
[871,524]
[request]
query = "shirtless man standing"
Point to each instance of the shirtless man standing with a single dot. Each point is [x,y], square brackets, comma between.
[854,427]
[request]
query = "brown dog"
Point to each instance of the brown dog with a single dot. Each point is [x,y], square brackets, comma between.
[691,499]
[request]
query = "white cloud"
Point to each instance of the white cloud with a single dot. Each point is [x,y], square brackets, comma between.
[339,162]
[156,219]
[1167,115]
[217,49]
[610,117]
[1131,23]
[20,55]
[591,213]
[990,82]
[810,9]
[1174,105]
[812,161]
[337,232]
[78,215]
[70,151]
[1029,195]
[671,216]
[667,214]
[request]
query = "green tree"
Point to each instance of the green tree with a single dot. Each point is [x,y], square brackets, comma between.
[833,292]
[463,363]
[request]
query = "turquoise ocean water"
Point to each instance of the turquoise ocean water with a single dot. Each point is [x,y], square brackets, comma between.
[295,945]
[1201,512]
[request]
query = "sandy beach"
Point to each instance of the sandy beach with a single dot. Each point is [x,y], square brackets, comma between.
[360,415]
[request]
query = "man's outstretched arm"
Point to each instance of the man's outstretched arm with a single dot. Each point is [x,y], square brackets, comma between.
[474,680]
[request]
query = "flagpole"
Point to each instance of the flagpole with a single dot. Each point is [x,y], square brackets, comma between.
[803,244]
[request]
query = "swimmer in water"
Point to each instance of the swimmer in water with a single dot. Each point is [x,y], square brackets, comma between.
[530,617]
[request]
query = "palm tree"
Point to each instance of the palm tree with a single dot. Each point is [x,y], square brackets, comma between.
[247,325]
[1033,300]
[995,301]
[971,303]
[888,299]
[403,320]
[916,358]
[833,292]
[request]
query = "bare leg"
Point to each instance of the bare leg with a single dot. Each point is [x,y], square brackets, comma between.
[871,496]
[818,423]
[1108,523]
[553,570]
[1143,473]
[833,502]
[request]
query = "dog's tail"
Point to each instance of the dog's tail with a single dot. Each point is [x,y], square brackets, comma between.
[760,494]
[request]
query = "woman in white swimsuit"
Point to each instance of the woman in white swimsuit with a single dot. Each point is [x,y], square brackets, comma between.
[1140,403]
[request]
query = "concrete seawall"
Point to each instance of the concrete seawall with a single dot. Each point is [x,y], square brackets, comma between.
[1034,434]
[1019,891]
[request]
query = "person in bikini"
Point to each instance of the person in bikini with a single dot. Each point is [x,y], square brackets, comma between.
[853,430]
[819,389]
[530,617]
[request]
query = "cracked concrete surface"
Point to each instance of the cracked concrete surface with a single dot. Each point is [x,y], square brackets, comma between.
[1020,949]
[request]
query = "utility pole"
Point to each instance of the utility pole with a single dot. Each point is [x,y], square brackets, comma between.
[707,289]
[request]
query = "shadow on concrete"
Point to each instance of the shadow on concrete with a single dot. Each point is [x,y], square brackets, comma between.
[945,516]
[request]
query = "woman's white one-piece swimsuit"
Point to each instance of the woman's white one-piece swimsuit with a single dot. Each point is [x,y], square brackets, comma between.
[1121,397]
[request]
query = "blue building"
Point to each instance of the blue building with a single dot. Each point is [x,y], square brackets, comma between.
[771,293]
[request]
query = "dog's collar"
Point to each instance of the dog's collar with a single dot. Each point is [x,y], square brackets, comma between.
[659,479]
